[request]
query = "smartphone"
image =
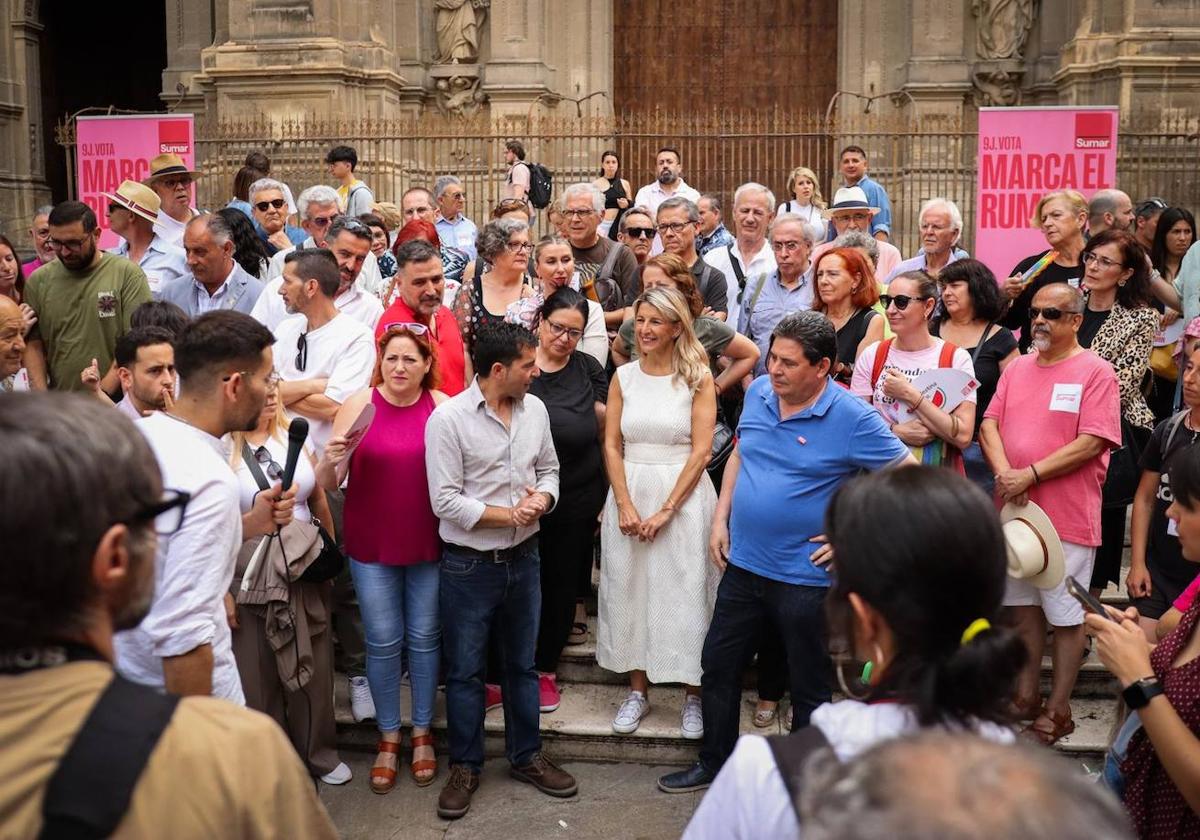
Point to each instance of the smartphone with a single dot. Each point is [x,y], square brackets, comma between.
[1089,602]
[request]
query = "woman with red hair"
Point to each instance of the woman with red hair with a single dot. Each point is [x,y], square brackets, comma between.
[846,295]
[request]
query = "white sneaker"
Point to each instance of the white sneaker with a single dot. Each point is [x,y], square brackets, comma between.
[692,719]
[338,775]
[635,707]
[362,705]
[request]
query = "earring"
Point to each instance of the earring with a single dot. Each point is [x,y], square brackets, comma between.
[1121,283]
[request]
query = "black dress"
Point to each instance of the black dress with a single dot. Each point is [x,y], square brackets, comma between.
[848,338]
[996,347]
[615,191]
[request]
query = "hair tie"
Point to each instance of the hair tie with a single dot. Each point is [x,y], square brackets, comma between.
[974,629]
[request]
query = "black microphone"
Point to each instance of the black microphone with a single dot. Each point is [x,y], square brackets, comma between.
[297,434]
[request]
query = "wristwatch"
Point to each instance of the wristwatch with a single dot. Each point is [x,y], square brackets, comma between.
[1140,693]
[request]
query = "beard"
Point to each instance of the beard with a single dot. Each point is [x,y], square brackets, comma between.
[667,177]
[83,260]
[1041,340]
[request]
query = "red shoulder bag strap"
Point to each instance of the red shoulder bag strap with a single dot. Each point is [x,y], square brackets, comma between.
[881,354]
[946,357]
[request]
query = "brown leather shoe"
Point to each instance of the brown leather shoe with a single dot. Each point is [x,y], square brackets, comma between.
[546,776]
[455,798]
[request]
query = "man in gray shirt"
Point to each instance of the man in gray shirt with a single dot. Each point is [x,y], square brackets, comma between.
[492,474]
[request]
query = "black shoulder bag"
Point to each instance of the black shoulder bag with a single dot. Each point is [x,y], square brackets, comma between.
[791,753]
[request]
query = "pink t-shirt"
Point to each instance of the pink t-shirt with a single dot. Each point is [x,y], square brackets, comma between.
[1041,409]
[1188,597]
[906,362]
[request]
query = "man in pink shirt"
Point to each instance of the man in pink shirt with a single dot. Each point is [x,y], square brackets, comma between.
[1046,434]
[39,231]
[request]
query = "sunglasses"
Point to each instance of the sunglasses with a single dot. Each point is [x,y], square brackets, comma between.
[302,352]
[275,202]
[901,302]
[640,233]
[415,329]
[1049,313]
[273,470]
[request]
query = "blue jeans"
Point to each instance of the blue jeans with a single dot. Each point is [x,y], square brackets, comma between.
[473,593]
[977,469]
[400,612]
[1113,779]
[749,605]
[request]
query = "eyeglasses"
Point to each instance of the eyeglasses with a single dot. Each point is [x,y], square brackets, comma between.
[1101,261]
[558,331]
[519,247]
[69,244]
[352,224]
[320,221]
[578,213]
[673,227]
[274,202]
[455,196]
[901,301]
[263,456]
[175,183]
[414,328]
[1049,313]
[302,352]
[640,232]
[167,513]
[1150,205]
[787,246]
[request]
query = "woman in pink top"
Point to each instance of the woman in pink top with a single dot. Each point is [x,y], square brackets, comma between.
[395,575]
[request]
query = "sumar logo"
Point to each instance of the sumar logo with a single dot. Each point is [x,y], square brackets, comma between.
[1093,130]
[173,137]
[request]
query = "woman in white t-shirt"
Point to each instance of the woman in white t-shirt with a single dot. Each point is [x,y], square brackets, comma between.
[806,200]
[884,372]
[920,578]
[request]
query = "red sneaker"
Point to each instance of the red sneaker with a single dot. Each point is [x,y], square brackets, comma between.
[492,699]
[548,695]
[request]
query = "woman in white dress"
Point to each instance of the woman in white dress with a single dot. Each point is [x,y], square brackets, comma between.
[657,588]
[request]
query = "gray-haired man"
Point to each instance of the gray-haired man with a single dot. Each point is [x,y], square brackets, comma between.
[268,200]
[453,226]
[216,280]
[753,207]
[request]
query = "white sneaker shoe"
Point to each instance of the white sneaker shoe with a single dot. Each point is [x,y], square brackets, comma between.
[692,719]
[635,707]
[338,775]
[362,705]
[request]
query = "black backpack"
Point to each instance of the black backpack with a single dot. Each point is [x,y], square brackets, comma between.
[541,186]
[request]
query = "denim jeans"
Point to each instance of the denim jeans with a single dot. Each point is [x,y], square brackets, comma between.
[747,606]
[473,593]
[1113,779]
[400,613]
[977,469]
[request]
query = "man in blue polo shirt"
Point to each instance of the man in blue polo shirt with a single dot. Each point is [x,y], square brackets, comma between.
[800,436]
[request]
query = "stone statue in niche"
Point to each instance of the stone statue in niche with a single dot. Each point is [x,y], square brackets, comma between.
[997,88]
[459,96]
[1002,27]
[458,26]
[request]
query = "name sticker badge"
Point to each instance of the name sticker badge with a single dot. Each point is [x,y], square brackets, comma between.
[1066,397]
[106,304]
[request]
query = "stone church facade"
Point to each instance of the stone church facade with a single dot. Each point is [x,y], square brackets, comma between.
[387,58]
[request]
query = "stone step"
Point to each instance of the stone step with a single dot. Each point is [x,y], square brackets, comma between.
[581,728]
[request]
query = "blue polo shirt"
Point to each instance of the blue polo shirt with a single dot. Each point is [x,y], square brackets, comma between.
[789,472]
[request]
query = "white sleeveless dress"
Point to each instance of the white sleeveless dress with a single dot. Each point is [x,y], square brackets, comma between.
[656,598]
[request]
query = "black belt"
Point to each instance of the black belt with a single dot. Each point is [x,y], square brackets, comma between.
[494,555]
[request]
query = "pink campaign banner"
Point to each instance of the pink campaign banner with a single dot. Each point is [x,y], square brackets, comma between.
[1025,153]
[109,150]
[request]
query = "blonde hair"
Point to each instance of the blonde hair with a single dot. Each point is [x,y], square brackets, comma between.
[796,174]
[1073,199]
[389,213]
[279,428]
[689,359]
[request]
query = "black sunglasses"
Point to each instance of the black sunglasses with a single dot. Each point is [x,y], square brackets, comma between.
[1049,313]
[167,513]
[640,233]
[302,352]
[901,301]
[263,456]
[275,202]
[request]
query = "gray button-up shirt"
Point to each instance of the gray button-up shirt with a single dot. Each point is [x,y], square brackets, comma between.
[472,460]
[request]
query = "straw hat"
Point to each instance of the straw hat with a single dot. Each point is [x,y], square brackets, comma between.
[850,198]
[167,165]
[137,198]
[1035,553]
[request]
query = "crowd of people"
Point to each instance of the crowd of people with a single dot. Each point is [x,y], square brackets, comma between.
[384,440]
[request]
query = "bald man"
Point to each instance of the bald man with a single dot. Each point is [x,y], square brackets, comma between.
[1109,209]
[12,342]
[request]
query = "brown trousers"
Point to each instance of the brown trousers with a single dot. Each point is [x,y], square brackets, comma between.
[305,715]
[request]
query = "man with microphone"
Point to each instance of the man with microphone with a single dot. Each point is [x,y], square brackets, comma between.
[225,367]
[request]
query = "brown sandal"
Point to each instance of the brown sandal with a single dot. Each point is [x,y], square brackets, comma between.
[383,779]
[424,764]
[1060,726]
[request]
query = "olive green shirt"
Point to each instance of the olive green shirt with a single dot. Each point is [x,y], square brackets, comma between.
[81,314]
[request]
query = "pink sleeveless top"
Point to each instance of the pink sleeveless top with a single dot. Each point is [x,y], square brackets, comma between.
[388,518]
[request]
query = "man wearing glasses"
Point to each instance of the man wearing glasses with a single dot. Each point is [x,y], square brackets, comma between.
[636,231]
[93,578]
[83,301]
[183,645]
[607,269]
[172,180]
[1046,434]
[269,203]
[678,228]
[453,227]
